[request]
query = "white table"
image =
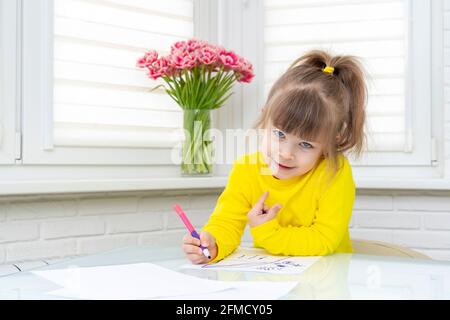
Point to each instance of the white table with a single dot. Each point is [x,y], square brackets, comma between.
[339,276]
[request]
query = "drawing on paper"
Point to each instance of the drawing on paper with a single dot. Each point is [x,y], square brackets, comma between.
[256,260]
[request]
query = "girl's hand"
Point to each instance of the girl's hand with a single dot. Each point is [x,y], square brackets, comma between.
[191,246]
[261,213]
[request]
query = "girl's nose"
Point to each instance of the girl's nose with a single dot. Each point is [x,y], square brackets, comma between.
[286,154]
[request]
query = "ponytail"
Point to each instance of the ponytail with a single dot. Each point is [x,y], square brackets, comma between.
[350,72]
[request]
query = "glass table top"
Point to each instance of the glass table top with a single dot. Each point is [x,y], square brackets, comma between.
[338,276]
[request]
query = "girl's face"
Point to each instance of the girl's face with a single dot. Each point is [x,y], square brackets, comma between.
[287,155]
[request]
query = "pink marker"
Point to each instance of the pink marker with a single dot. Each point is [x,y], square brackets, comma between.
[191,229]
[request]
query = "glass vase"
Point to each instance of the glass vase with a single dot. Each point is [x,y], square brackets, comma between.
[197,149]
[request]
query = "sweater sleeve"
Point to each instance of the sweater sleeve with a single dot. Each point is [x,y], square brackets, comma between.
[229,218]
[324,235]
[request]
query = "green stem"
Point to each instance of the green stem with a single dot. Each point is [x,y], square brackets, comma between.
[197,153]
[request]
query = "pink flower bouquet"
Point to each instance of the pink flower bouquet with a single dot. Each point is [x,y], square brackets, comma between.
[199,76]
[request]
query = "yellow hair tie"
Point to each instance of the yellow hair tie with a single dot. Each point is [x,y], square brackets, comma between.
[328,69]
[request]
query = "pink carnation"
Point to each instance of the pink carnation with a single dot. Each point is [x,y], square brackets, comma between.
[159,68]
[228,59]
[186,55]
[179,46]
[245,70]
[208,55]
[182,60]
[246,77]
[148,58]
[194,45]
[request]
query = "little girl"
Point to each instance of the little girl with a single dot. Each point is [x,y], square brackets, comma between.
[297,192]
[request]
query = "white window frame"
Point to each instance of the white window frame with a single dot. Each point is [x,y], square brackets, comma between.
[9,82]
[40,170]
[38,148]
[238,27]
[423,61]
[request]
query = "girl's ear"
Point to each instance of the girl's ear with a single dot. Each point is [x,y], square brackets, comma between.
[263,109]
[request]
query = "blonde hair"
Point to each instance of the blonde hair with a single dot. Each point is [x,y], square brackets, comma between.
[318,105]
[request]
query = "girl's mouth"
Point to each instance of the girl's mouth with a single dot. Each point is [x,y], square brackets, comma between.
[282,166]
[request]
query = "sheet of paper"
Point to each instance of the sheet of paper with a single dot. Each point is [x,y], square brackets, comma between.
[246,290]
[257,260]
[133,281]
[149,281]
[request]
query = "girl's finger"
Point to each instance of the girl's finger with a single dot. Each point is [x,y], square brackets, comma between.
[206,239]
[188,239]
[196,259]
[190,249]
[260,202]
[273,211]
[192,258]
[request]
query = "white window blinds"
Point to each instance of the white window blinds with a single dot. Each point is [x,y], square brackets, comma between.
[100,98]
[375,31]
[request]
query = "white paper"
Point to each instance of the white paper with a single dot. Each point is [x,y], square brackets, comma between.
[246,290]
[256,260]
[149,281]
[133,281]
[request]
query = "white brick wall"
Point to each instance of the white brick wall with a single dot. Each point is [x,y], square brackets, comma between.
[413,220]
[382,220]
[104,243]
[73,227]
[18,231]
[107,205]
[90,225]
[34,228]
[437,221]
[162,237]
[2,212]
[38,209]
[2,255]
[140,222]
[36,250]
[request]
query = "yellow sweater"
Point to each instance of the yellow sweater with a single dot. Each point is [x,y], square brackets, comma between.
[313,219]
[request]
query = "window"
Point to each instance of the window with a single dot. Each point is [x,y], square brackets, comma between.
[73,107]
[380,34]
[81,80]
[8,81]
[100,98]
[393,40]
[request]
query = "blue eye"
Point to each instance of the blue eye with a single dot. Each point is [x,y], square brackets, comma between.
[306,145]
[278,133]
